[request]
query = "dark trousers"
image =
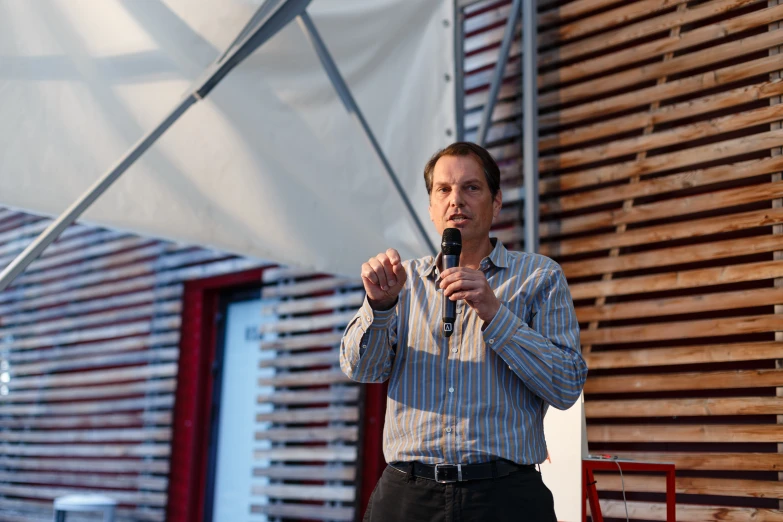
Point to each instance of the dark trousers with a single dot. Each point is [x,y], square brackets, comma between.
[519,497]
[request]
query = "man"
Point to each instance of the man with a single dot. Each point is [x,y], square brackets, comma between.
[464,418]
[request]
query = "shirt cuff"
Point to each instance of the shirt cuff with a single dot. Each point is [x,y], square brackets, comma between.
[376,318]
[502,328]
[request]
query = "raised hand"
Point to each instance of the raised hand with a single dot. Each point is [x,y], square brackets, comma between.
[471,286]
[383,277]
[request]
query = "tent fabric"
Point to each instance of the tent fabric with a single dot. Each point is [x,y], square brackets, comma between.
[270,165]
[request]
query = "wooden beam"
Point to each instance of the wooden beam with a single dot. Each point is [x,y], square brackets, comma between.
[718,380]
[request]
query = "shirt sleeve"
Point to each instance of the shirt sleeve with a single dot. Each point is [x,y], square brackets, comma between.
[545,354]
[367,346]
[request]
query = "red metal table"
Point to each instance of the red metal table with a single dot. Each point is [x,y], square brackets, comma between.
[590,493]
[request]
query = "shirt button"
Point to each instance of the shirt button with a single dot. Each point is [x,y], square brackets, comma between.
[364,346]
[451,390]
[491,341]
[448,430]
[454,350]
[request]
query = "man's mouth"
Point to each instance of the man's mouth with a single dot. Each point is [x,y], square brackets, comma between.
[459,218]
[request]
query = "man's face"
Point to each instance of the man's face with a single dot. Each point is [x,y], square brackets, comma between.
[461,198]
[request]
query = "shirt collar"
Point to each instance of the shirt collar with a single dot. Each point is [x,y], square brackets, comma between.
[498,258]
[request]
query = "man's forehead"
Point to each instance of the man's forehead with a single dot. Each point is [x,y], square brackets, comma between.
[458,169]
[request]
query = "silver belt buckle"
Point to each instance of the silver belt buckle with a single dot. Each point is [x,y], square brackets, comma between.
[459,473]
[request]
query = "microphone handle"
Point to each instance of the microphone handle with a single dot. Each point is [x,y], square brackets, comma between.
[449,306]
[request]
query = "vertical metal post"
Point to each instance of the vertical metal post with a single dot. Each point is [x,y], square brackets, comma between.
[530,122]
[459,68]
[309,29]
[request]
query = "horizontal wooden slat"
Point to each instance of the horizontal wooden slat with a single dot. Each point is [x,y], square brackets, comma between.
[90,392]
[86,320]
[159,355]
[702,277]
[674,256]
[86,465]
[685,381]
[313,322]
[350,413]
[681,305]
[309,287]
[95,348]
[94,377]
[300,511]
[297,492]
[681,433]
[290,472]
[304,379]
[665,209]
[712,461]
[334,394]
[89,450]
[688,513]
[684,407]
[156,324]
[87,307]
[301,361]
[314,304]
[663,162]
[662,185]
[690,485]
[68,437]
[86,480]
[337,454]
[661,233]
[159,418]
[684,329]
[350,433]
[303,342]
[103,406]
[683,355]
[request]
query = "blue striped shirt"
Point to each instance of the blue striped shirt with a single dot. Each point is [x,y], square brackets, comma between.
[481,394]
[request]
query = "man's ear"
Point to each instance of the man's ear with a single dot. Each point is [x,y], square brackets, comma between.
[497,203]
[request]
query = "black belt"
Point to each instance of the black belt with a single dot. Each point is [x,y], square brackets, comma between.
[447,473]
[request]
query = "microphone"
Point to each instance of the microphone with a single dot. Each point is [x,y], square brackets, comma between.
[450,247]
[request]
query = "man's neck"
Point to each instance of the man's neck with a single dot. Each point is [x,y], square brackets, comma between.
[473,253]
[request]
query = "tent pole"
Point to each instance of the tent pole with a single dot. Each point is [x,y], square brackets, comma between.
[530,122]
[308,27]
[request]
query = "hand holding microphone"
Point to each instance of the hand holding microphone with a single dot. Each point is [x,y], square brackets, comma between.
[463,283]
[383,277]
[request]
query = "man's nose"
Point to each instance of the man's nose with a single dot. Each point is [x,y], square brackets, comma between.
[457,199]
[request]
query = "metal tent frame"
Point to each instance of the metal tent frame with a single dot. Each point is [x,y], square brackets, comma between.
[268,20]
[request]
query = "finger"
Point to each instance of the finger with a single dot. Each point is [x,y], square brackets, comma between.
[368,274]
[393,256]
[380,273]
[388,269]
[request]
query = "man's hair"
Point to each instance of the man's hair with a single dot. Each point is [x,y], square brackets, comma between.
[464,148]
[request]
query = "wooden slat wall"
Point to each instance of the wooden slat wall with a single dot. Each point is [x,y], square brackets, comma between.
[89,340]
[660,144]
[310,470]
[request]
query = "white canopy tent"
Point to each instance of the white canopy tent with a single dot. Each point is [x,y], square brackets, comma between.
[270,165]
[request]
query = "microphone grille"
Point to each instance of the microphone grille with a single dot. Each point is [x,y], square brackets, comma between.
[451,244]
